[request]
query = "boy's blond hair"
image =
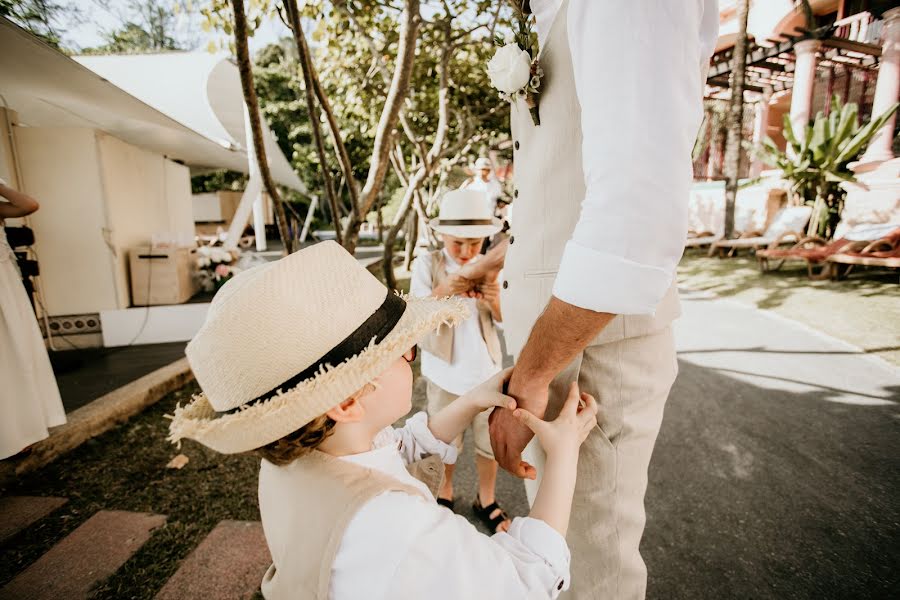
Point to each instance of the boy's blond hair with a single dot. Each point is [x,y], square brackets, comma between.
[285,450]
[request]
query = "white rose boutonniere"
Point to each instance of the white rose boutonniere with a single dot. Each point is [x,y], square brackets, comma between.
[514,69]
[510,69]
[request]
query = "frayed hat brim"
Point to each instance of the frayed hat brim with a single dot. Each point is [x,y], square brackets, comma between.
[254,426]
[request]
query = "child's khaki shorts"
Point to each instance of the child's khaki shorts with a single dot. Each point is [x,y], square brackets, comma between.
[438,398]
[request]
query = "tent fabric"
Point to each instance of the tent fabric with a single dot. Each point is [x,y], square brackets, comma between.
[186,106]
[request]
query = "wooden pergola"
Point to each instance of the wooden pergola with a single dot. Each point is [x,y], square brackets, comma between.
[771,67]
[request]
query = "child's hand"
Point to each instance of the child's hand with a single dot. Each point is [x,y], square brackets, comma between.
[571,427]
[490,291]
[490,393]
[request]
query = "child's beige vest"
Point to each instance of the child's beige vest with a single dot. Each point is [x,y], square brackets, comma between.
[549,189]
[328,492]
[440,342]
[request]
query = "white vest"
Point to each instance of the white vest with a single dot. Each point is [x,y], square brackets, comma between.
[549,189]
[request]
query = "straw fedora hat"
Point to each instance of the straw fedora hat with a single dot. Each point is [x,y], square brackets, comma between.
[285,342]
[466,214]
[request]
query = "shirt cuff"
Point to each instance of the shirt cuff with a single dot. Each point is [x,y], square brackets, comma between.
[603,282]
[425,442]
[546,543]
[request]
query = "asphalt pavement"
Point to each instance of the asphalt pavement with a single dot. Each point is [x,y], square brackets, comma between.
[777,470]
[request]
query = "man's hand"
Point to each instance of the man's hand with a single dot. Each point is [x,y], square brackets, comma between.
[509,436]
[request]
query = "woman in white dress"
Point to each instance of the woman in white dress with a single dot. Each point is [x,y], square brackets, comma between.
[29,397]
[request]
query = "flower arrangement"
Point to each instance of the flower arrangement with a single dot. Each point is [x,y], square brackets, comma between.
[215,266]
[514,69]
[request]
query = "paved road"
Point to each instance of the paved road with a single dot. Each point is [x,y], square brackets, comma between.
[777,470]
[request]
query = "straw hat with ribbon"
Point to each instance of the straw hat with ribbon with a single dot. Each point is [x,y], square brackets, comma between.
[466,214]
[285,342]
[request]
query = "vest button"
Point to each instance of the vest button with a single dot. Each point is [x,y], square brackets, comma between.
[517,144]
[516,194]
[512,240]
[505,284]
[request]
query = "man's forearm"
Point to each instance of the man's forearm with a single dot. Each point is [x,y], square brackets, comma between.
[560,333]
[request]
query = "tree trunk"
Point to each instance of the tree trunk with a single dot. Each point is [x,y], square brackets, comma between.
[735,117]
[399,220]
[412,238]
[308,85]
[243,60]
[389,115]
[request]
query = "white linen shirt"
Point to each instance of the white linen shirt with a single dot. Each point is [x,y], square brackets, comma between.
[622,256]
[472,364]
[402,546]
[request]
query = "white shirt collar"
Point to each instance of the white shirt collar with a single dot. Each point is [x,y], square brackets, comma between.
[385,457]
[544,13]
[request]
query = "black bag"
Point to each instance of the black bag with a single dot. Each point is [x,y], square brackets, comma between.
[19,236]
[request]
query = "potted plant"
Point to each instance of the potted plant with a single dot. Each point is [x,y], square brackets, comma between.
[818,165]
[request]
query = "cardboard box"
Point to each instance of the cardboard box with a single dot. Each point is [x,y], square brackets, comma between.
[162,275]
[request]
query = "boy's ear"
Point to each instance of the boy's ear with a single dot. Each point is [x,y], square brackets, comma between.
[348,411]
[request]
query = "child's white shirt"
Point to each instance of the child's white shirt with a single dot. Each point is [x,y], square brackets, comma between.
[402,546]
[472,363]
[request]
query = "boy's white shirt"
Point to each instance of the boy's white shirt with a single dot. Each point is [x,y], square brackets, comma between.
[472,364]
[402,546]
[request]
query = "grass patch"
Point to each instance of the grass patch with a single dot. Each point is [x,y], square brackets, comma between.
[863,309]
[124,469]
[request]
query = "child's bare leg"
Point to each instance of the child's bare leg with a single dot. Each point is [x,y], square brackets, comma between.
[487,482]
[446,491]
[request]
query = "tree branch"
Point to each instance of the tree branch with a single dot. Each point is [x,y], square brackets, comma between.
[245,69]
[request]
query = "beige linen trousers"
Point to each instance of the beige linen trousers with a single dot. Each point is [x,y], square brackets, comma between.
[629,368]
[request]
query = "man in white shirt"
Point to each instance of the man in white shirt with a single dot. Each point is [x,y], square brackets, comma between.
[602,190]
[483,180]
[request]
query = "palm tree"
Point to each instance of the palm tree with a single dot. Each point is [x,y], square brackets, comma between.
[735,116]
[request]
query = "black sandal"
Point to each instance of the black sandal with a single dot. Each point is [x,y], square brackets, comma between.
[445,502]
[484,514]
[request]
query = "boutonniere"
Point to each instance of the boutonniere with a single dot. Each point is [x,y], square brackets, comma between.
[514,70]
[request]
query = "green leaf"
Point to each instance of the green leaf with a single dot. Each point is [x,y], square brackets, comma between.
[788,130]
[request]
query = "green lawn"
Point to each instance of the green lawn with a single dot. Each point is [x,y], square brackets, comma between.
[863,309]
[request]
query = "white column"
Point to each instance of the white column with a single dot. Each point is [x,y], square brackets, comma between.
[804,78]
[887,88]
[251,200]
[259,222]
[760,125]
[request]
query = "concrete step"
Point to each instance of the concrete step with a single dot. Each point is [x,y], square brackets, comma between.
[85,557]
[18,512]
[228,564]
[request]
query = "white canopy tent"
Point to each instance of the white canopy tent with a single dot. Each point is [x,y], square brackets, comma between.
[186,106]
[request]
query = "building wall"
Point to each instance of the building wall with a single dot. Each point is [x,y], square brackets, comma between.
[60,168]
[7,166]
[147,196]
[99,197]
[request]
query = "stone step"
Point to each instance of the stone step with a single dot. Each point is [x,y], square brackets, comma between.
[18,512]
[85,557]
[228,564]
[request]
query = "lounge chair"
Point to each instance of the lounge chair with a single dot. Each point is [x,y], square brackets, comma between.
[814,250]
[701,239]
[785,228]
[884,253]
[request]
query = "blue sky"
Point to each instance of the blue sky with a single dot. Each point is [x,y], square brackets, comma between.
[97,20]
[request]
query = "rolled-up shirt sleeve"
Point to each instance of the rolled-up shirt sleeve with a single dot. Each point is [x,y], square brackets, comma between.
[416,441]
[640,113]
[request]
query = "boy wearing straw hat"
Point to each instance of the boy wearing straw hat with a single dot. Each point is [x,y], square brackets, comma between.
[305,361]
[458,359]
